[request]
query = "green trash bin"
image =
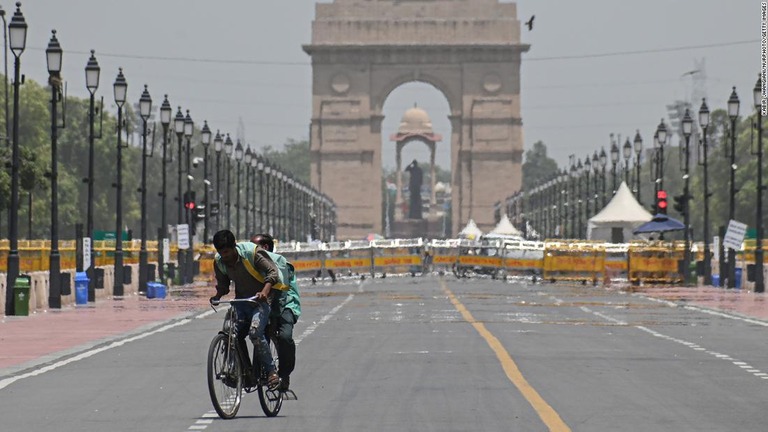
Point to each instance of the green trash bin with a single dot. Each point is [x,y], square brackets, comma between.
[21,295]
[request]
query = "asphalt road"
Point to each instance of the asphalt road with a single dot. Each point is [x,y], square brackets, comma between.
[425,354]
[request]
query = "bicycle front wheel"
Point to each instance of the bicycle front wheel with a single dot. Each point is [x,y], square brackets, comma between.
[225,383]
[271,400]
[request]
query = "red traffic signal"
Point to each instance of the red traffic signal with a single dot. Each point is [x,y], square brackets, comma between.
[661,201]
[189,200]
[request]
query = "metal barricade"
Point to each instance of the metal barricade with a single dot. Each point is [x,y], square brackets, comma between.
[522,257]
[441,255]
[479,257]
[351,257]
[397,256]
[654,262]
[573,261]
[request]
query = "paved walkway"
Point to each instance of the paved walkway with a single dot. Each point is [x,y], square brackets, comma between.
[40,338]
[26,341]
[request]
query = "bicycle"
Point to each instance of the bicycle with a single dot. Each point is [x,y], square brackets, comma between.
[230,372]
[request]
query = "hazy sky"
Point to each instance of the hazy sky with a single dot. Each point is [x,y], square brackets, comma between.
[235,60]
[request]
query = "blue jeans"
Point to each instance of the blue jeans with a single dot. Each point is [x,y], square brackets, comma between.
[252,320]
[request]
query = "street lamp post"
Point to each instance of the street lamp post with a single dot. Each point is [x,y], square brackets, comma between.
[267,208]
[614,161]
[165,120]
[178,127]
[638,141]
[733,113]
[92,72]
[661,134]
[218,146]
[603,162]
[17,35]
[189,127]
[627,153]
[54,58]
[579,172]
[145,107]
[248,156]
[238,159]
[254,168]
[596,171]
[120,88]
[757,94]
[704,122]
[687,130]
[205,140]
[260,168]
[587,198]
[228,147]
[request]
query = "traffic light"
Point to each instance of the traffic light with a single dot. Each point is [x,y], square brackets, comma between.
[679,205]
[661,202]
[189,200]
[214,209]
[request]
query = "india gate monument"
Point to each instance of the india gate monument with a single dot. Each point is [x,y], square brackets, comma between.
[362,50]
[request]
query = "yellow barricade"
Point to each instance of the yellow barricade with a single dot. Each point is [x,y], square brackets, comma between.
[574,260]
[655,262]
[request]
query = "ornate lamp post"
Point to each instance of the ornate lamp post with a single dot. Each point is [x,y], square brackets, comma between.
[638,141]
[614,161]
[92,72]
[260,168]
[596,171]
[627,153]
[165,121]
[238,159]
[661,133]
[228,148]
[17,35]
[687,130]
[145,108]
[603,162]
[205,140]
[757,94]
[254,168]
[579,172]
[733,113]
[587,198]
[178,127]
[248,157]
[218,146]
[120,88]
[704,122]
[54,57]
[189,127]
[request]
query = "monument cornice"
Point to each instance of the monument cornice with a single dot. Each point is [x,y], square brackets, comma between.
[426,54]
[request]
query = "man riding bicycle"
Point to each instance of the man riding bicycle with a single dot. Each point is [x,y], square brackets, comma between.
[236,262]
[285,318]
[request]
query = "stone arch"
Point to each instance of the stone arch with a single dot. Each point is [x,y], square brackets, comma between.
[363,50]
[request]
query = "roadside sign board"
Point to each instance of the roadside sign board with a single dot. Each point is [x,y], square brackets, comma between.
[86,253]
[182,236]
[734,235]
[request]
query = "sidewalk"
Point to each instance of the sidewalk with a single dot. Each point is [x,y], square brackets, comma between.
[27,341]
[734,301]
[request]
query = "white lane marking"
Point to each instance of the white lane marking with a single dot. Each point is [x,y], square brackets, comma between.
[707,311]
[309,330]
[743,365]
[8,381]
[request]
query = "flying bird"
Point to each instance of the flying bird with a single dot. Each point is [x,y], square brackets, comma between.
[529,23]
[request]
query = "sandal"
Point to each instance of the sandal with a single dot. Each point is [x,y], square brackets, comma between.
[273,380]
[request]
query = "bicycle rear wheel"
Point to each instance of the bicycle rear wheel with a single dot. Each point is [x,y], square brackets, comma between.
[225,380]
[271,400]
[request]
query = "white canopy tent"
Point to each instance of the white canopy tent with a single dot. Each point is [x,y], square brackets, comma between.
[622,215]
[505,230]
[471,231]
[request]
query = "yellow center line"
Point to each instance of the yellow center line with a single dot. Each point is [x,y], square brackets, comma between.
[547,414]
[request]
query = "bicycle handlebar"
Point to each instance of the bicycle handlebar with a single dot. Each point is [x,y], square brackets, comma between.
[245,300]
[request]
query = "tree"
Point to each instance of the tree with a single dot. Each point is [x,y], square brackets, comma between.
[538,167]
[294,158]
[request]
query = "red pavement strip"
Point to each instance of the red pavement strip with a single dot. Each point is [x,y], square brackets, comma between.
[27,341]
[743,303]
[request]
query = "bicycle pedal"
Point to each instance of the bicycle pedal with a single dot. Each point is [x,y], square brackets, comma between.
[289,395]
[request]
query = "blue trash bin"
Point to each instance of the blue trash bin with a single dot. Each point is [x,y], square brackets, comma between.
[715,280]
[150,290]
[81,288]
[737,278]
[155,290]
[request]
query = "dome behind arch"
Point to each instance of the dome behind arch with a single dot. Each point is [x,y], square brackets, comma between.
[415,121]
